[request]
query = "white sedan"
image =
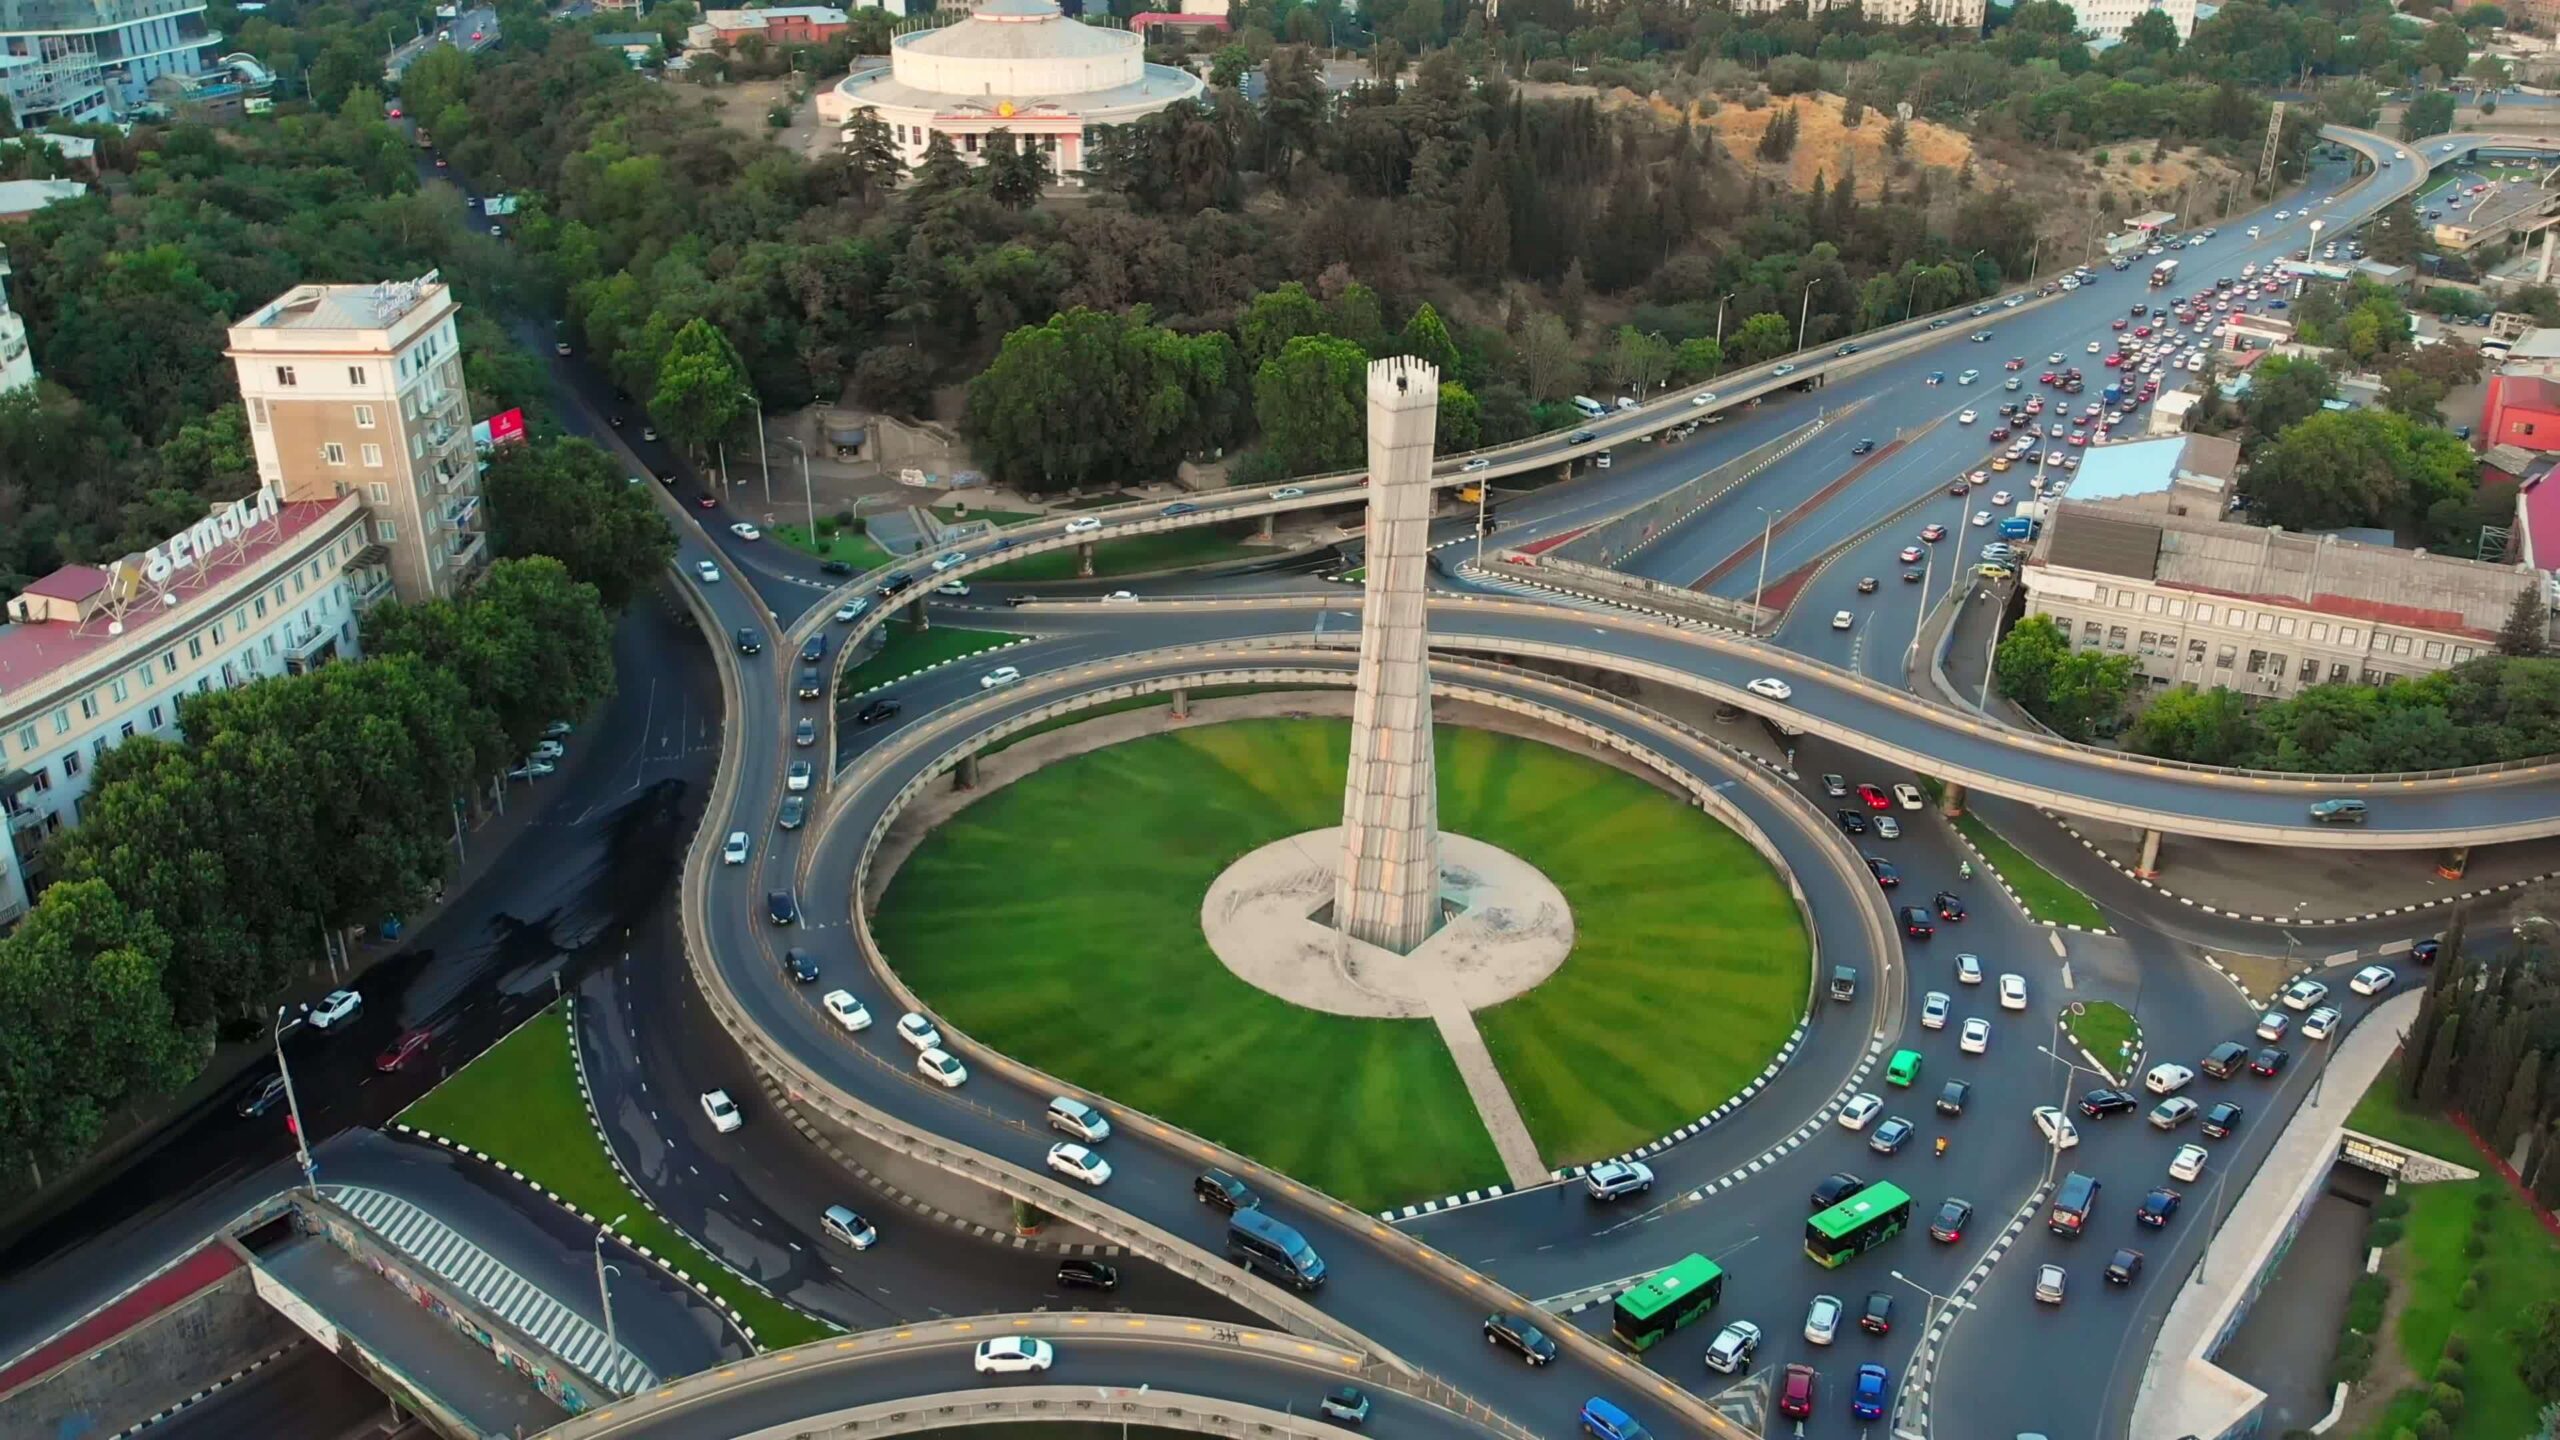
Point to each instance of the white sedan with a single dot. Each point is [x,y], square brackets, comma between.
[1079,1164]
[335,1008]
[2013,991]
[1083,525]
[1842,620]
[735,851]
[1907,796]
[2056,1127]
[1287,492]
[918,1031]
[1933,1011]
[706,572]
[2188,1163]
[2167,1079]
[722,1110]
[2372,980]
[1964,417]
[2320,1024]
[1703,397]
[745,531]
[949,559]
[2303,994]
[1014,1355]
[1770,688]
[941,1069]
[1000,677]
[1975,1038]
[846,1011]
[1861,1109]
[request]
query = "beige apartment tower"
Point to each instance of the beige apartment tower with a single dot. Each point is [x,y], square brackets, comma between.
[357,390]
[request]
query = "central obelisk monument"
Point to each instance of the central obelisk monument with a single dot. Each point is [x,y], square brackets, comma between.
[1387,889]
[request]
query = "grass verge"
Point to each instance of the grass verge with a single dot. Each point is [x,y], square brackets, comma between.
[1134,554]
[2039,889]
[2473,1239]
[855,549]
[519,1102]
[2386,1114]
[908,650]
[2103,1030]
[1674,916]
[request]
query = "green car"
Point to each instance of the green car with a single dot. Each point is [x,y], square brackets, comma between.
[1904,1068]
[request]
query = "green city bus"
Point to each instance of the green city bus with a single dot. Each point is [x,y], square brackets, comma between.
[1672,1298]
[1857,1224]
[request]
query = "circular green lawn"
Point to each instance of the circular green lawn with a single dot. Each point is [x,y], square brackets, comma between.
[1058,920]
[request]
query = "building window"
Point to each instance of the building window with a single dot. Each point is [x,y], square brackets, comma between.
[2098,595]
[2399,644]
[2338,673]
[2349,635]
[62,722]
[2461,653]
[26,738]
[70,764]
[284,375]
[334,453]
[2204,614]
[2115,637]
[2124,599]
[355,375]
[119,689]
[2266,622]
[2310,671]
[2089,632]
[387,531]
[371,455]
[155,717]
[2435,650]
[258,411]
[168,662]
[88,707]
[2319,632]
[195,647]
[364,417]
[2235,620]
[125,730]
[2257,662]
[2154,604]
[2287,625]
[2223,657]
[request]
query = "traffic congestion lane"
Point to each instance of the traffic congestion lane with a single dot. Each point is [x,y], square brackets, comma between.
[1369,1288]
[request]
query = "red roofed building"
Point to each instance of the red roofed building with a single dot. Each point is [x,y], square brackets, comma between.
[2521,410]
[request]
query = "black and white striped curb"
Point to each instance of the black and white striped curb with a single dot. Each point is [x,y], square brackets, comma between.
[2010,890]
[198,1398]
[2304,920]
[939,664]
[1911,1407]
[2232,976]
[1786,1052]
[2131,1059]
[916,1204]
[1574,1302]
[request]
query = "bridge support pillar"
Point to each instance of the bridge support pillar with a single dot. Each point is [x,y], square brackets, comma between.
[2150,866]
[1952,804]
[964,776]
[2542,267]
[1181,704]
[1084,560]
[915,617]
[2453,861]
[1270,525]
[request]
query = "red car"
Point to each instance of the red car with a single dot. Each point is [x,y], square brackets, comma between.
[2119,324]
[708,503]
[2045,379]
[2079,437]
[1999,433]
[1934,533]
[2113,360]
[1876,799]
[407,1047]
[2141,332]
[1795,1395]
[2016,363]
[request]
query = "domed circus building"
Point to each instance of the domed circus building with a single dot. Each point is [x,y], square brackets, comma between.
[1018,65]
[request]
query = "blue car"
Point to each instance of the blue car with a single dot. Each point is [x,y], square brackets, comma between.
[1604,1421]
[1867,1400]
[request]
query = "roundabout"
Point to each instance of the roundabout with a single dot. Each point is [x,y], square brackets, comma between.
[1130,952]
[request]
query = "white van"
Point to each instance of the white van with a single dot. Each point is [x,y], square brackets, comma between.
[1079,1119]
[1591,409]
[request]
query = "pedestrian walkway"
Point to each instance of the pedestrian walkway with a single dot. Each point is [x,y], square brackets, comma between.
[1494,1105]
[509,1296]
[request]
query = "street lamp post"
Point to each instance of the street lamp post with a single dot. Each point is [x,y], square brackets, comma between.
[1928,1321]
[2053,1153]
[1720,300]
[761,461]
[807,495]
[1804,312]
[604,1291]
[1768,518]
[1484,493]
[293,1111]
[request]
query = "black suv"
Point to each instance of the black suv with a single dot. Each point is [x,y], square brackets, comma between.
[813,650]
[1087,1275]
[877,711]
[749,643]
[1503,1328]
[1950,905]
[800,965]
[2157,1207]
[780,908]
[1852,822]
[1877,1319]
[1217,1187]
[836,567]
[2100,1103]
[2123,1266]
[1951,1099]
[2221,1120]
[2226,1059]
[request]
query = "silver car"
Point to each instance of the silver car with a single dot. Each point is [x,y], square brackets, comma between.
[1822,1319]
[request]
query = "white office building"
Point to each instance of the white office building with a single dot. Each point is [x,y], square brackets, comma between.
[95,60]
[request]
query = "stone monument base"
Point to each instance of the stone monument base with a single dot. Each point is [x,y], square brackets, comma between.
[1506,930]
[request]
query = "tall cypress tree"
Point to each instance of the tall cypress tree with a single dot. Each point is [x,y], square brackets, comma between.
[2439,1062]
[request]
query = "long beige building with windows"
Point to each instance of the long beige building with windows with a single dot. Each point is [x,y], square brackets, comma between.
[2264,612]
[368,487]
[1954,14]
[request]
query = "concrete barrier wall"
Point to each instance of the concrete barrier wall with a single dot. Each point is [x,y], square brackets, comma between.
[161,1361]
[1598,583]
[1613,540]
